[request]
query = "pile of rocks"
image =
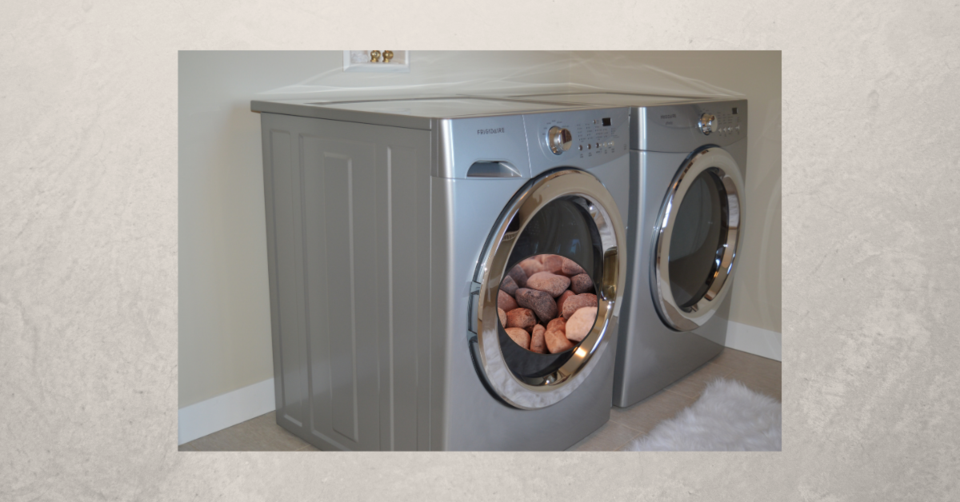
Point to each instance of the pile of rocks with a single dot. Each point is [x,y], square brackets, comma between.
[547,303]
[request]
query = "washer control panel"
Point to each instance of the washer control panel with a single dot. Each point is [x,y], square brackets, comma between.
[595,136]
[581,138]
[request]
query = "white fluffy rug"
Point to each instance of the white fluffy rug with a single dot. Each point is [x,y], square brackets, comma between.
[728,416]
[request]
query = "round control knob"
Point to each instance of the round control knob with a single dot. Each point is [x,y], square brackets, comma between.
[708,123]
[559,139]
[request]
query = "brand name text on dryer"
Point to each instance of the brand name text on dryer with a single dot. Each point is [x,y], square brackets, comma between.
[498,130]
[671,116]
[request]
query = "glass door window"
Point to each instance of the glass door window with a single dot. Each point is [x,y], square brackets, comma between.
[697,239]
[547,288]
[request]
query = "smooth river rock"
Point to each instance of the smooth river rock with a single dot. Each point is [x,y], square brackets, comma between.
[505,301]
[580,324]
[581,283]
[549,283]
[520,318]
[577,302]
[538,343]
[520,336]
[556,341]
[571,268]
[509,285]
[542,304]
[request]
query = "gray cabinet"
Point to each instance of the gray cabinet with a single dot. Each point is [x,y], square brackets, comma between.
[348,249]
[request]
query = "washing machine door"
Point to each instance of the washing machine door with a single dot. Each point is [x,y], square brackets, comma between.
[564,212]
[697,238]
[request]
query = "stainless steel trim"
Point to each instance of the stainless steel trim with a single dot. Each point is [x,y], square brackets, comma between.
[559,140]
[707,123]
[725,168]
[541,392]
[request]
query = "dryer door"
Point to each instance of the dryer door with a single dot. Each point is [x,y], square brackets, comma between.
[565,212]
[697,237]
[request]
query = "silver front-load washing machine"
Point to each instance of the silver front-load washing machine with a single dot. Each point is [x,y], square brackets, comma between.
[391,224]
[688,159]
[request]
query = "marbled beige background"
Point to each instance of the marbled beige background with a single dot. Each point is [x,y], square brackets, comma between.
[88,251]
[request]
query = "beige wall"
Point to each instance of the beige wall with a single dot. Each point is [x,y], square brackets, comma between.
[224,316]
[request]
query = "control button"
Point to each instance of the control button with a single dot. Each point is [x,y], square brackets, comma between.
[598,145]
[708,123]
[588,146]
[559,139]
[580,147]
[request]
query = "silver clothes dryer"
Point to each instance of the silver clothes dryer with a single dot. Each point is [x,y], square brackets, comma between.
[391,224]
[688,165]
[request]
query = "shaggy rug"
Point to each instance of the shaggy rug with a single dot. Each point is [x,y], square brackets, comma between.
[728,416]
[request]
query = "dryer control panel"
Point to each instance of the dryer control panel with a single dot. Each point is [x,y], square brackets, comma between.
[685,127]
[725,121]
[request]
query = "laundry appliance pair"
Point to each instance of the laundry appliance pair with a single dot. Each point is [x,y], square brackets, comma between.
[393,224]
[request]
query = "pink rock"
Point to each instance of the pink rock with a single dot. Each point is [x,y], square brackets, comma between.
[552,263]
[548,283]
[577,302]
[570,267]
[503,317]
[581,283]
[558,324]
[556,341]
[520,318]
[520,336]
[508,285]
[505,301]
[580,324]
[539,302]
[538,343]
[566,294]
[531,266]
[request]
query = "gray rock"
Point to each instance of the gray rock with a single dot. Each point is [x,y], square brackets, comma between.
[542,304]
[509,285]
[581,283]
[518,275]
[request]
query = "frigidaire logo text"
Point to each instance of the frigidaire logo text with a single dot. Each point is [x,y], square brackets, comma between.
[671,116]
[498,130]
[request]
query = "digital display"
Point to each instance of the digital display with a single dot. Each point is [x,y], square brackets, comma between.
[606,122]
[734,111]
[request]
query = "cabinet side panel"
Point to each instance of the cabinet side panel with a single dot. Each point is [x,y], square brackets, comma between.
[350,226]
[317,276]
[288,243]
[340,224]
[266,122]
[406,247]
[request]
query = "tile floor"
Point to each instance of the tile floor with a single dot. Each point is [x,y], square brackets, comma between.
[626,424]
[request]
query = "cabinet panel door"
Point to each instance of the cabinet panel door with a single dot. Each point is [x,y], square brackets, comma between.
[342,282]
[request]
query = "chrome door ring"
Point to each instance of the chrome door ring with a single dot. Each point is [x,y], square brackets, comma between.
[724,167]
[544,391]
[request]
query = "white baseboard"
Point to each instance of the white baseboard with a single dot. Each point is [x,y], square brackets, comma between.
[225,410]
[759,341]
